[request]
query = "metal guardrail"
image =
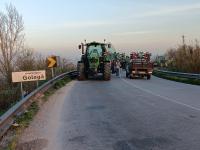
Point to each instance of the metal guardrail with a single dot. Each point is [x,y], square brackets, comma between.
[179,74]
[8,118]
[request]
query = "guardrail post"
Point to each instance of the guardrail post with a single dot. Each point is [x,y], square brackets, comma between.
[22,91]
[52,71]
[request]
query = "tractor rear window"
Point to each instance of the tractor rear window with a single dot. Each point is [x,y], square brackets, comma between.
[95,49]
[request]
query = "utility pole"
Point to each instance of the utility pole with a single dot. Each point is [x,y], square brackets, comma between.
[183,38]
[197,43]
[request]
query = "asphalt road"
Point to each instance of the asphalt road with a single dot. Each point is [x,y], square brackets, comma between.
[123,114]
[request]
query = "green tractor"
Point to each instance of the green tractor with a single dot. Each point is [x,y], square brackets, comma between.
[96,59]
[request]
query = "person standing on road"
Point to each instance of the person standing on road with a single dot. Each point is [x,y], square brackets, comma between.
[113,67]
[120,70]
[118,66]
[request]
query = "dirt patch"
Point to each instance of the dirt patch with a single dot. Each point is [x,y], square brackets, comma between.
[37,144]
[43,131]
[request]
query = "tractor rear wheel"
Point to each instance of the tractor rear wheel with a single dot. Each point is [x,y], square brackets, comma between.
[148,77]
[107,72]
[81,71]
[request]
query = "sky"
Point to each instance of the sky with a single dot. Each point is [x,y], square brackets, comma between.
[59,26]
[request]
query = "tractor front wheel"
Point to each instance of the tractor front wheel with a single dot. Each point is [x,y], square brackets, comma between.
[107,72]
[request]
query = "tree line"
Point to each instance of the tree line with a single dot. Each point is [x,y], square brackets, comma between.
[16,56]
[185,58]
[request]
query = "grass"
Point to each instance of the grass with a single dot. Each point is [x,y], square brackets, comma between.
[57,85]
[27,117]
[13,144]
[62,82]
[1,112]
[48,93]
[24,120]
[177,79]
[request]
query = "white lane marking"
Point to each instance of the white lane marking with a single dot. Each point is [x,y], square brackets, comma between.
[163,97]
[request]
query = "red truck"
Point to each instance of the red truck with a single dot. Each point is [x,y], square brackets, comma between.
[140,65]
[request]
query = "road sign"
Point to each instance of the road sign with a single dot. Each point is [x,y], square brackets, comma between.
[25,76]
[52,62]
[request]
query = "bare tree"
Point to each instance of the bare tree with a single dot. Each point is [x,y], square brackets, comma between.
[26,60]
[66,65]
[40,61]
[11,40]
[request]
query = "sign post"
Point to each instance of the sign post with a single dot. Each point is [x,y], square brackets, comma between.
[52,72]
[22,91]
[26,76]
[52,62]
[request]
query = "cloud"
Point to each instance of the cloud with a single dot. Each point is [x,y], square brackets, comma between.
[133,33]
[86,24]
[170,10]
[70,25]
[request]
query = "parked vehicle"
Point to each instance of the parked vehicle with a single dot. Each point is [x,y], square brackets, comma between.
[95,60]
[140,65]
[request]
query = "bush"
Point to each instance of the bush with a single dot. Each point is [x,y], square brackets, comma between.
[62,82]
[8,97]
[184,59]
